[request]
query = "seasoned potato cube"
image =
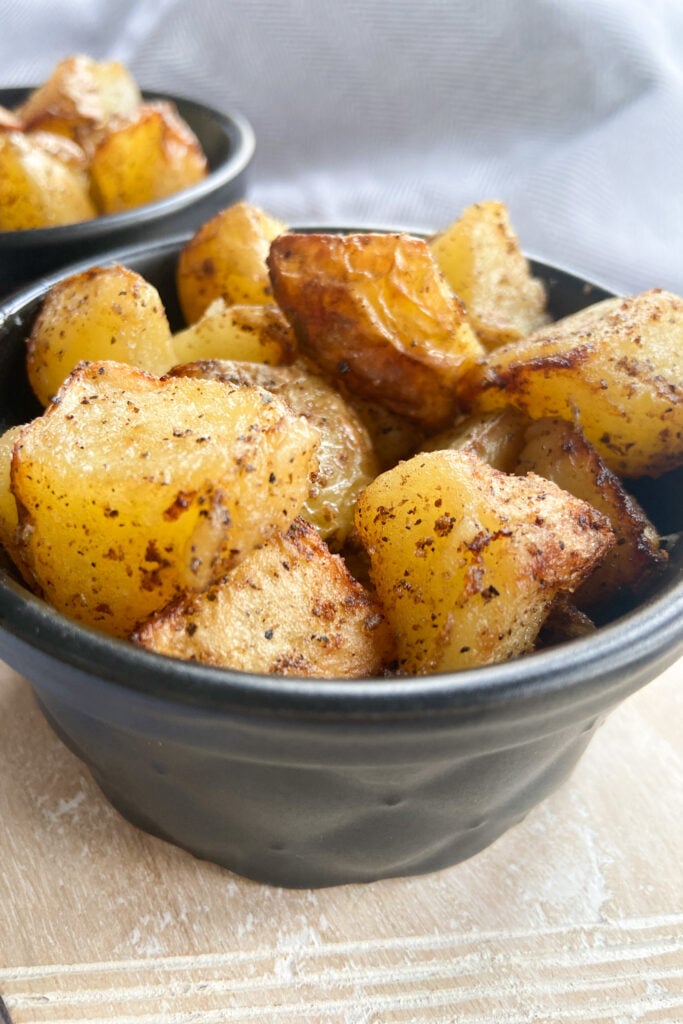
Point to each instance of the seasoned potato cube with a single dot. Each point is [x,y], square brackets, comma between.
[150,155]
[615,369]
[374,312]
[80,97]
[101,313]
[345,459]
[132,489]
[8,506]
[258,334]
[467,560]
[226,259]
[564,622]
[557,451]
[393,436]
[480,257]
[496,437]
[332,627]
[38,189]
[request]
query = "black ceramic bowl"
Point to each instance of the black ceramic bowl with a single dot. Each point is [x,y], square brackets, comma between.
[308,783]
[227,141]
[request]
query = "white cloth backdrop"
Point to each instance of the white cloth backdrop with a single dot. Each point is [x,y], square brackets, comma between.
[404,111]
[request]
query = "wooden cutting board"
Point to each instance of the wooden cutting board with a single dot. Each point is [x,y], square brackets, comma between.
[575,915]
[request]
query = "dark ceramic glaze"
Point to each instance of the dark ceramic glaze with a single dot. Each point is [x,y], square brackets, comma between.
[306,783]
[227,141]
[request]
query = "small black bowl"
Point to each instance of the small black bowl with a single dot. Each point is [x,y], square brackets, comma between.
[228,143]
[306,783]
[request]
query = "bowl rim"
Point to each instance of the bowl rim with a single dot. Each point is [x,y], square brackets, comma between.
[236,127]
[650,634]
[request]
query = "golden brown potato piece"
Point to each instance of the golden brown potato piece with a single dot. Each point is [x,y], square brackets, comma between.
[80,97]
[131,489]
[564,622]
[393,436]
[557,451]
[226,259]
[101,313]
[496,437]
[39,189]
[332,627]
[480,257]
[374,312]
[255,334]
[8,506]
[616,370]
[467,560]
[345,458]
[151,154]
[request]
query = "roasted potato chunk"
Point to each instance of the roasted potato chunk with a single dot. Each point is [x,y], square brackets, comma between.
[103,313]
[615,370]
[258,334]
[8,506]
[333,627]
[132,489]
[554,449]
[345,459]
[226,259]
[467,560]
[496,437]
[150,155]
[80,97]
[480,257]
[374,312]
[39,189]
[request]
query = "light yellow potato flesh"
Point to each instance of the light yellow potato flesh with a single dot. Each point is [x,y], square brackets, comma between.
[107,313]
[258,334]
[480,257]
[332,627]
[131,490]
[375,313]
[346,460]
[226,259]
[37,188]
[151,155]
[615,370]
[467,560]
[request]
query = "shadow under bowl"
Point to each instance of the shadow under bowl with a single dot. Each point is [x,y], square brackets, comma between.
[306,783]
[227,140]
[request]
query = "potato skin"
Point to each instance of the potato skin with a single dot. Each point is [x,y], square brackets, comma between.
[375,313]
[130,489]
[614,369]
[468,560]
[108,313]
[333,627]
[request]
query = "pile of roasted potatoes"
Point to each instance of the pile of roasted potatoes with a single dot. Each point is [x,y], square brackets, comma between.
[85,143]
[364,454]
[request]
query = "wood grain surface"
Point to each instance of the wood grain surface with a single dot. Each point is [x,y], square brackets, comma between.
[575,915]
